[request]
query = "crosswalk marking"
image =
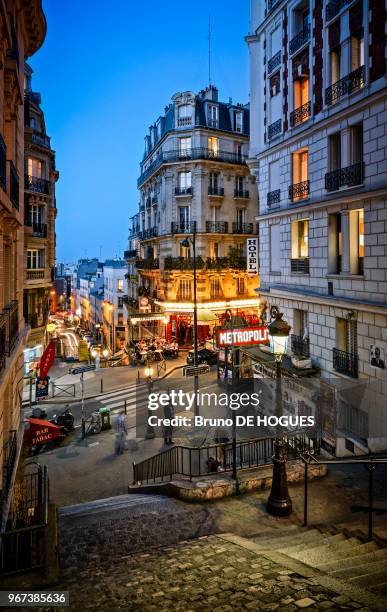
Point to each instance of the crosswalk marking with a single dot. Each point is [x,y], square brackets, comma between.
[133,396]
[132,388]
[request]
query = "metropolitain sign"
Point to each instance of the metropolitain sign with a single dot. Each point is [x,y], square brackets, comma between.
[246,336]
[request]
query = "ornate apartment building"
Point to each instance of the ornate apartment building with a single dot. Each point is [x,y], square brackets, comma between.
[39,222]
[23,28]
[195,182]
[319,147]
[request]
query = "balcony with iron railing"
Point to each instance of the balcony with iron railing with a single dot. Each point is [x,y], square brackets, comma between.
[3,164]
[41,139]
[147,264]
[198,153]
[13,185]
[183,191]
[217,227]
[9,462]
[354,81]
[183,263]
[274,129]
[9,323]
[242,194]
[299,191]
[300,114]
[300,346]
[3,340]
[39,230]
[215,191]
[274,62]
[183,228]
[345,363]
[273,198]
[184,121]
[36,275]
[300,265]
[130,254]
[242,228]
[151,232]
[210,263]
[299,40]
[345,177]
[37,184]
[334,7]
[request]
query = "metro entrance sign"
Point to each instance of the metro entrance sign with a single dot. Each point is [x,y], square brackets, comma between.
[246,336]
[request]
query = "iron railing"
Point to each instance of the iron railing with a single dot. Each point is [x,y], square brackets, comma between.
[273,198]
[241,193]
[13,185]
[334,7]
[147,264]
[169,157]
[3,340]
[151,232]
[182,263]
[217,227]
[132,253]
[38,229]
[300,114]
[215,191]
[36,184]
[299,191]
[183,228]
[300,266]
[211,263]
[274,129]
[11,315]
[183,191]
[242,228]
[3,164]
[274,62]
[9,461]
[350,83]
[300,39]
[192,462]
[300,345]
[348,177]
[345,363]
[41,140]
[213,123]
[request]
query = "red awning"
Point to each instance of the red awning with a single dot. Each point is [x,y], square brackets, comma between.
[40,432]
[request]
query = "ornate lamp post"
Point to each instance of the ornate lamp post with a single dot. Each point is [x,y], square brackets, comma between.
[186,243]
[279,502]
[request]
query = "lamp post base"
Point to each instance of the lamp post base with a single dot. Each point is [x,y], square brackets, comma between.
[279,502]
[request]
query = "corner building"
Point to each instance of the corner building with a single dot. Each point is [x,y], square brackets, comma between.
[194,178]
[318,148]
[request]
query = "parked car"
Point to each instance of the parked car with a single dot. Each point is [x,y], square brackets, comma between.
[204,356]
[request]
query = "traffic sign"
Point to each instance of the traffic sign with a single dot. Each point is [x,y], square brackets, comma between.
[87,368]
[196,370]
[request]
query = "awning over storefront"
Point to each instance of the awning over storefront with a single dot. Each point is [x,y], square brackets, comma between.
[146,316]
[40,431]
[266,360]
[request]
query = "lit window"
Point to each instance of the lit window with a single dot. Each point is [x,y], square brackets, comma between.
[120,284]
[34,167]
[185,292]
[300,231]
[213,146]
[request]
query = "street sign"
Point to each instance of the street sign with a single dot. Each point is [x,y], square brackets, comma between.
[196,370]
[87,368]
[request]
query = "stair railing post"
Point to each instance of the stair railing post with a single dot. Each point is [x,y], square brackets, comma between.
[371,469]
[305,493]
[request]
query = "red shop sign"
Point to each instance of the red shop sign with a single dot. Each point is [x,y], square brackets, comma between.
[246,336]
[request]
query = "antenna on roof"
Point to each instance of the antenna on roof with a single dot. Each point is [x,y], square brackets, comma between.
[209,49]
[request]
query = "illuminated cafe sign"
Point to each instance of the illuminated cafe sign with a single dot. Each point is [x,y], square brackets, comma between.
[252,255]
[246,336]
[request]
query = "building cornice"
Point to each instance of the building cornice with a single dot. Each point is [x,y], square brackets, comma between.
[35,26]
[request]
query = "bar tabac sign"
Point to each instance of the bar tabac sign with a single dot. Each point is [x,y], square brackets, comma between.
[252,256]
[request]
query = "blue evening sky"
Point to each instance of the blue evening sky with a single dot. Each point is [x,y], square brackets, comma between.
[106,71]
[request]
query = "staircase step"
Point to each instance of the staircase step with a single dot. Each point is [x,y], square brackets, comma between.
[274,542]
[375,554]
[112,503]
[370,580]
[360,570]
[323,540]
[380,589]
[335,551]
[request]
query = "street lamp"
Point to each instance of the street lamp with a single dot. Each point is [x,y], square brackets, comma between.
[279,502]
[150,432]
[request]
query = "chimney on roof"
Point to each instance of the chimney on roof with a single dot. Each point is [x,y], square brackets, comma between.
[210,93]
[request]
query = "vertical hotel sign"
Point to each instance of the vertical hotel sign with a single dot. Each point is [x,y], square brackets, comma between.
[252,256]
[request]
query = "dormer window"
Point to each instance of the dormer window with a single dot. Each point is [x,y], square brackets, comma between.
[238,121]
[184,115]
[213,116]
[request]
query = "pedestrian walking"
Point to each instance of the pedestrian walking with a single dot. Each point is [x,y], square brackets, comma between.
[121,433]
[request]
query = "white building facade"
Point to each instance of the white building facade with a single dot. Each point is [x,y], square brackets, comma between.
[318,147]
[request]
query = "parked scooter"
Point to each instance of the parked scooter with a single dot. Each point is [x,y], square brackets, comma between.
[65,420]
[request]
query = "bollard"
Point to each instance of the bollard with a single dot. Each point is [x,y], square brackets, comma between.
[101,384]
[125,406]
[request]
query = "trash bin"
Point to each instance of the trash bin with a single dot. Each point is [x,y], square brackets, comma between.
[105,417]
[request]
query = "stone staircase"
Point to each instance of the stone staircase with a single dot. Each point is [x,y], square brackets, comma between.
[341,553]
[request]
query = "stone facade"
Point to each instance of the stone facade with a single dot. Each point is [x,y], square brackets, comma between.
[323,198]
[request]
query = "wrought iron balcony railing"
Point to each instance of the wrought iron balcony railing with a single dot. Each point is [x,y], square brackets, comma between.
[345,363]
[274,62]
[274,129]
[210,263]
[226,263]
[217,227]
[183,263]
[213,123]
[41,139]
[183,228]
[300,39]
[3,164]
[242,228]
[334,7]
[9,461]
[36,184]
[3,340]
[14,185]
[147,264]
[241,193]
[353,81]
[215,191]
[300,346]
[197,153]
[183,191]
[345,177]
[300,266]
[130,254]
[38,229]
[273,198]
[151,232]
[299,191]
[11,316]
[300,114]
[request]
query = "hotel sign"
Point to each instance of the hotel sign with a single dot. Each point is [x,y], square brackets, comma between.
[246,336]
[252,256]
